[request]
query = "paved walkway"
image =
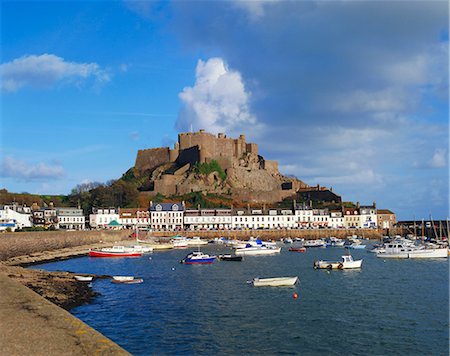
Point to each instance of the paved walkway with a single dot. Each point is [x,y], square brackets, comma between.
[31,325]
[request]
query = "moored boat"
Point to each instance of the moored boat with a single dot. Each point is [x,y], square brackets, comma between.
[347,262]
[229,258]
[109,253]
[84,278]
[274,282]
[297,249]
[198,257]
[129,281]
[257,250]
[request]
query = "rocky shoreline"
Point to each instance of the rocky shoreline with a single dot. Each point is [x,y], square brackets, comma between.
[61,288]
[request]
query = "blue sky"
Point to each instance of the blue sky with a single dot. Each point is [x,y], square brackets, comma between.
[348,94]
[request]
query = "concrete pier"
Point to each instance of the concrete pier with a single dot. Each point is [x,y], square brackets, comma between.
[31,325]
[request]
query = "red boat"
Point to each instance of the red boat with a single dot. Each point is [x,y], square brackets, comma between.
[297,249]
[95,253]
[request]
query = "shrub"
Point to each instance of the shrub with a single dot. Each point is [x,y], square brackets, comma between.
[207,168]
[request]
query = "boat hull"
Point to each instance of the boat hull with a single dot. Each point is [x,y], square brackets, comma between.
[114,254]
[297,249]
[275,282]
[205,261]
[258,251]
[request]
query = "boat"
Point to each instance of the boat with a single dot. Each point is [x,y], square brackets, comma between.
[113,253]
[314,243]
[347,262]
[356,246]
[179,242]
[404,250]
[258,250]
[297,249]
[334,242]
[196,240]
[84,278]
[288,240]
[274,282]
[229,258]
[198,257]
[129,281]
[123,278]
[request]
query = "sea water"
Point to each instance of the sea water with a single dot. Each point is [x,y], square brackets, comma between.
[388,307]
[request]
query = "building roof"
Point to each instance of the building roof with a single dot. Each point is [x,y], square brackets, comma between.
[384,211]
[114,223]
[167,207]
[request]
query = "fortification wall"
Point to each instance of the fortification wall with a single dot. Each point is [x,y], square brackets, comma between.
[271,166]
[167,184]
[213,147]
[151,158]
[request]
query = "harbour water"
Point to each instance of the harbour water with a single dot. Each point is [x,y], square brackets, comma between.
[392,307]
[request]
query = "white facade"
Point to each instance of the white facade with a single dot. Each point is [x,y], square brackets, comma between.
[304,217]
[207,219]
[134,218]
[15,217]
[368,217]
[257,219]
[320,218]
[70,218]
[101,217]
[166,216]
[336,220]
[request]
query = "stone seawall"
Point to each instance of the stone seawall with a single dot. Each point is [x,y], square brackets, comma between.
[27,243]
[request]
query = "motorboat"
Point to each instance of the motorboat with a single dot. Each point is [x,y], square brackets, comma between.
[297,249]
[347,262]
[115,251]
[314,243]
[139,248]
[250,250]
[179,242]
[196,241]
[275,282]
[356,246]
[229,258]
[334,242]
[84,278]
[198,257]
[288,240]
[404,250]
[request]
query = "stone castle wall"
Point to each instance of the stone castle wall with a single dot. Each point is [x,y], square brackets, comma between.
[152,158]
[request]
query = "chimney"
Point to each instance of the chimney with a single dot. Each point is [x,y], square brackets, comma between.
[374,205]
[318,186]
[295,204]
[357,205]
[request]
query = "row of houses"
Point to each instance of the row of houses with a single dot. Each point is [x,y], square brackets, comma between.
[176,216]
[15,216]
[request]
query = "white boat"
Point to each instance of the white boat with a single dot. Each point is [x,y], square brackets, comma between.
[139,248]
[257,250]
[314,243]
[404,250]
[288,240]
[84,278]
[274,282]
[196,240]
[123,278]
[347,262]
[179,242]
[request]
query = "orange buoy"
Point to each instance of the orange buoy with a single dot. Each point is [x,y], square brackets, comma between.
[295,295]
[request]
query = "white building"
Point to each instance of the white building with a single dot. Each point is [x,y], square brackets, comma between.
[101,217]
[336,219]
[304,216]
[368,216]
[166,216]
[207,219]
[71,218]
[320,218]
[15,217]
[132,218]
[352,218]
[263,219]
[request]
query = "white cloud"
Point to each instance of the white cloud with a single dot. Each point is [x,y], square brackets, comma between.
[254,8]
[218,102]
[46,70]
[14,168]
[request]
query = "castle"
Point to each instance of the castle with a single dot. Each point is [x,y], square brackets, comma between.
[250,177]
